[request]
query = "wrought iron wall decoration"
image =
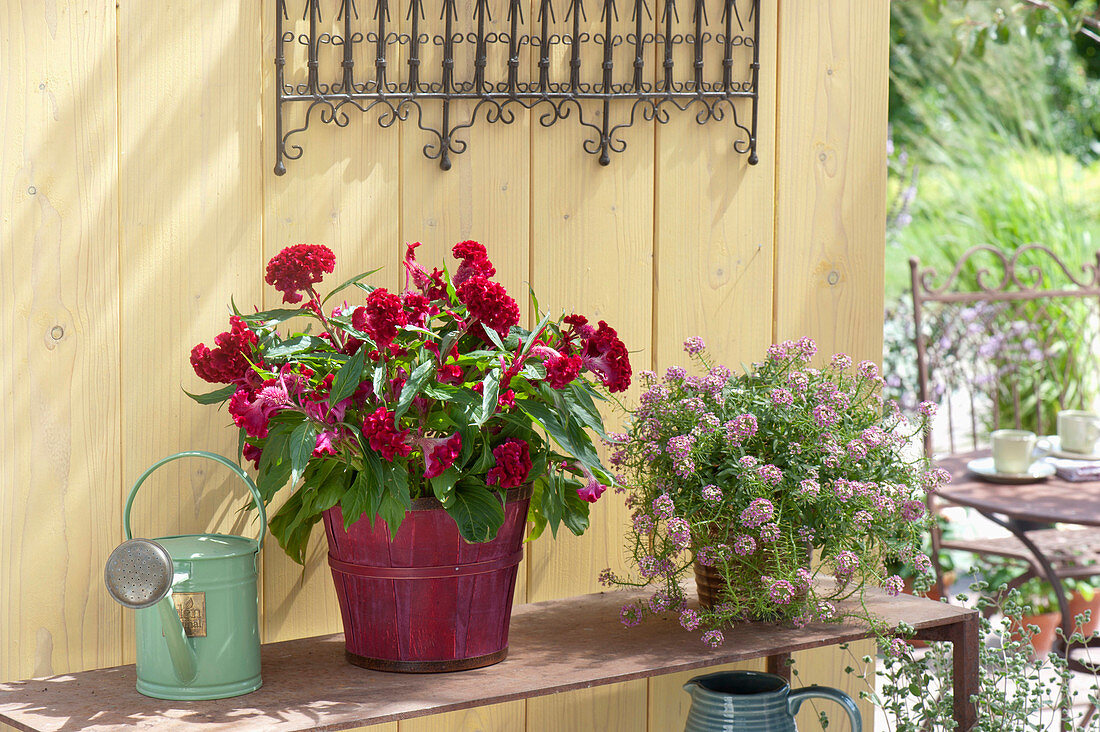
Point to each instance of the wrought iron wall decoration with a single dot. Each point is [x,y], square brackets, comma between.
[333,60]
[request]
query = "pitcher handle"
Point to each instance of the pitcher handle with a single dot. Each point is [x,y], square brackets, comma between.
[249,483]
[794,701]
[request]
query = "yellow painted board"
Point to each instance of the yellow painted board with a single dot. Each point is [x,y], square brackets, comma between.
[826,667]
[831,174]
[59,322]
[342,192]
[715,215]
[592,254]
[614,708]
[669,703]
[189,210]
[830,197]
[508,717]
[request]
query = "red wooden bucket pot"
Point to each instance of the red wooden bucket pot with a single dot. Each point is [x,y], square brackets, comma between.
[426,601]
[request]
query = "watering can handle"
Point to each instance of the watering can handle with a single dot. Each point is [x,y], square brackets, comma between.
[213,456]
[800,695]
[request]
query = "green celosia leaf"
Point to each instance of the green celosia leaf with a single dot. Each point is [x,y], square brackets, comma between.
[582,407]
[302,441]
[443,486]
[490,390]
[530,339]
[575,515]
[398,483]
[535,514]
[292,524]
[391,511]
[268,318]
[412,387]
[348,378]
[495,338]
[348,283]
[478,513]
[292,346]
[378,380]
[354,502]
[213,397]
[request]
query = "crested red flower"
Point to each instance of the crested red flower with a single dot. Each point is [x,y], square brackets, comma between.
[475,261]
[383,437]
[381,317]
[513,464]
[578,327]
[561,370]
[440,453]
[418,307]
[228,362]
[605,355]
[489,303]
[252,410]
[430,285]
[298,268]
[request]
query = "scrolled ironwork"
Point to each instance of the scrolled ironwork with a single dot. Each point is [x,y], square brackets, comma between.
[383,68]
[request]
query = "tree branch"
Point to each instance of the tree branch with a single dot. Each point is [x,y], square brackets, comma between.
[1086,20]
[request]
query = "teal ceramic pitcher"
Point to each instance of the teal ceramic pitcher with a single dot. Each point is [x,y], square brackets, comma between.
[202,640]
[750,701]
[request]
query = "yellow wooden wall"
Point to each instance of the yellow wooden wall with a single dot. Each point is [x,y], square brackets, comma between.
[136,196]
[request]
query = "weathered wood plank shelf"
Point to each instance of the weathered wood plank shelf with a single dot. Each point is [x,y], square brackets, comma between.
[555,646]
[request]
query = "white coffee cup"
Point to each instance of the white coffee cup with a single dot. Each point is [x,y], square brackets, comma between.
[1012,451]
[1078,431]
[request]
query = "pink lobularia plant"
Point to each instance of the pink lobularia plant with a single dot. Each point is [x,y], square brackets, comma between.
[432,391]
[795,485]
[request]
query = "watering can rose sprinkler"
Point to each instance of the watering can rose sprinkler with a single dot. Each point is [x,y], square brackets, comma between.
[197,605]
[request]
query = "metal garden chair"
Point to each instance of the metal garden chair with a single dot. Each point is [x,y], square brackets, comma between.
[1006,340]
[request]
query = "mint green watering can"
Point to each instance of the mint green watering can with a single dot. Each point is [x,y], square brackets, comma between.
[198,634]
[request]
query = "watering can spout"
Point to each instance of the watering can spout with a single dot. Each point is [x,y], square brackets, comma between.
[184,662]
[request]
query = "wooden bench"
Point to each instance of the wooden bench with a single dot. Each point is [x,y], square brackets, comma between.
[555,646]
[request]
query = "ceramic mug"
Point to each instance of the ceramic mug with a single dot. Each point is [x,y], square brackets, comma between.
[1078,431]
[1012,451]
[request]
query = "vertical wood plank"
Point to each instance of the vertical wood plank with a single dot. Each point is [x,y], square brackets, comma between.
[59,322]
[715,216]
[343,192]
[614,708]
[831,199]
[591,253]
[190,205]
[831,174]
[507,717]
[825,667]
[714,255]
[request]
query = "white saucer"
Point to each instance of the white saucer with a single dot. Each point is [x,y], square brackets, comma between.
[1039,470]
[1053,444]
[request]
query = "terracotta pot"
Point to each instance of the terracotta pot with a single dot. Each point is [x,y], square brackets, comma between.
[425,601]
[1042,641]
[1078,604]
[709,584]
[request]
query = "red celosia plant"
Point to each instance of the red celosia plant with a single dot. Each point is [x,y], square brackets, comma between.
[434,391]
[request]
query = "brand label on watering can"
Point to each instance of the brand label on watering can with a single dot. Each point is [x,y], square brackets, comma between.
[191,607]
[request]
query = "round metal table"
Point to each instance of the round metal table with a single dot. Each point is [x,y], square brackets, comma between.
[1050,501]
